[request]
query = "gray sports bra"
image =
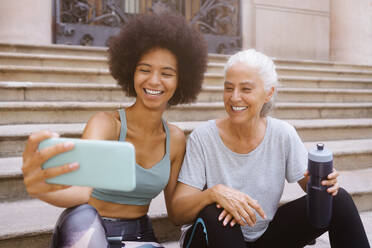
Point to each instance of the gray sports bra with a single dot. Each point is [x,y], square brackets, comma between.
[149,182]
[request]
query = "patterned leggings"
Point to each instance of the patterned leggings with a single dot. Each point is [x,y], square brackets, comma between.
[82,227]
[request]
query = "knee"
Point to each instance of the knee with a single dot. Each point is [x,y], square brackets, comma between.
[342,196]
[72,220]
[343,201]
[77,216]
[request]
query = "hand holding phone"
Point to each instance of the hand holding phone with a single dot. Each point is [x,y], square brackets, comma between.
[34,177]
[102,164]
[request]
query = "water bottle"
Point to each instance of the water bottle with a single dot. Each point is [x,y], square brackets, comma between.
[319,201]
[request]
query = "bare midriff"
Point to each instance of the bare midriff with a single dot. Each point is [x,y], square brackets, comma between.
[115,210]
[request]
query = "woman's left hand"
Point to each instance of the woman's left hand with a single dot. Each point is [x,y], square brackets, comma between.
[226,217]
[331,181]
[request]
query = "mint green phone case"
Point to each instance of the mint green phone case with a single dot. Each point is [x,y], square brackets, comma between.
[103,164]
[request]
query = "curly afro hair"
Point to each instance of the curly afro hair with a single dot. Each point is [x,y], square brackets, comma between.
[146,31]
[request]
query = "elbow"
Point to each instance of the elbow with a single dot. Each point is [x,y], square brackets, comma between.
[174,219]
[174,215]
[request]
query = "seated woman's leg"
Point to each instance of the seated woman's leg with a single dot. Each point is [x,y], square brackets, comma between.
[79,226]
[207,231]
[346,228]
[291,228]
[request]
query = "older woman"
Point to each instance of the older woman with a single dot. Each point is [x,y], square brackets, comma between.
[235,168]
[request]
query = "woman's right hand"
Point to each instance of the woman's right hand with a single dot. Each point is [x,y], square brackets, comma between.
[237,206]
[34,176]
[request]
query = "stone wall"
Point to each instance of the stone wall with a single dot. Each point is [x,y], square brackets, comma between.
[339,30]
[351,31]
[26,21]
[287,28]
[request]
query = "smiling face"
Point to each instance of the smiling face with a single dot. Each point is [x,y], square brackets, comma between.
[244,93]
[155,78]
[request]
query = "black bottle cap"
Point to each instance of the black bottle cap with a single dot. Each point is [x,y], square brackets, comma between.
[320,146]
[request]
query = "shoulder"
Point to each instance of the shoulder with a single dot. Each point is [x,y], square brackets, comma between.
[177,136]
[280,127]
[203,130]
[177,141]
[285,134]
[103,125]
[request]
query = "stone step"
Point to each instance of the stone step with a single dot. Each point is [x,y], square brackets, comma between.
[33,220]
[323,72]
[74,51]
[323,95]
[349,155]
[69,50]
[36,91]
[216,64]
[48,60]
[65,50]
[13,137]
[213,80]
[78,112]
[27,91]
[72,75]
[324,82]
[80,62]
[55,74]
[320,64]
[102,75]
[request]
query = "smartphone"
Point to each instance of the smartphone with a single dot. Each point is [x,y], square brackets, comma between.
[102,164]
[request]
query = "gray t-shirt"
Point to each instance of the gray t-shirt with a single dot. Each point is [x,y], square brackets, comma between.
[260,174]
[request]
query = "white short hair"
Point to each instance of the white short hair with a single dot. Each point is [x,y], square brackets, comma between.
[266,70]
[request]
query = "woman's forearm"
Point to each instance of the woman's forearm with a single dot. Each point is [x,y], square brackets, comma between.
[188,206]
[66,198]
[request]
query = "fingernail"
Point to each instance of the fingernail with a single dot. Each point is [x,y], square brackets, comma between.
[68,145]
[74,165]
[55,135]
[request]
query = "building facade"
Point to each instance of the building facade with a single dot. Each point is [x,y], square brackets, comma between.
[336,30]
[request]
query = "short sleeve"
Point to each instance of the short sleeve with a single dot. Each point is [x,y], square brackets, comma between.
[296,157]
[193,167]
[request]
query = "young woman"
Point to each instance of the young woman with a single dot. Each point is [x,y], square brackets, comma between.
[160,60]
[235,168]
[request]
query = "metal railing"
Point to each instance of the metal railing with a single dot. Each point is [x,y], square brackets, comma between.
[93,22]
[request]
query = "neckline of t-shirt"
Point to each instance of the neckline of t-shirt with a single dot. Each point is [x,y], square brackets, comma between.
[220,141]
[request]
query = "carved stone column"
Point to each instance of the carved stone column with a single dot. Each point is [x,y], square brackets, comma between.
[351,31]
[248,24]
[26,21]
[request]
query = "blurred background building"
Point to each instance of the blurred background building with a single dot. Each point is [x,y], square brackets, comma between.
[336,30]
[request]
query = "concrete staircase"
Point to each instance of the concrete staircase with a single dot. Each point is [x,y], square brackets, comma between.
[59,87]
